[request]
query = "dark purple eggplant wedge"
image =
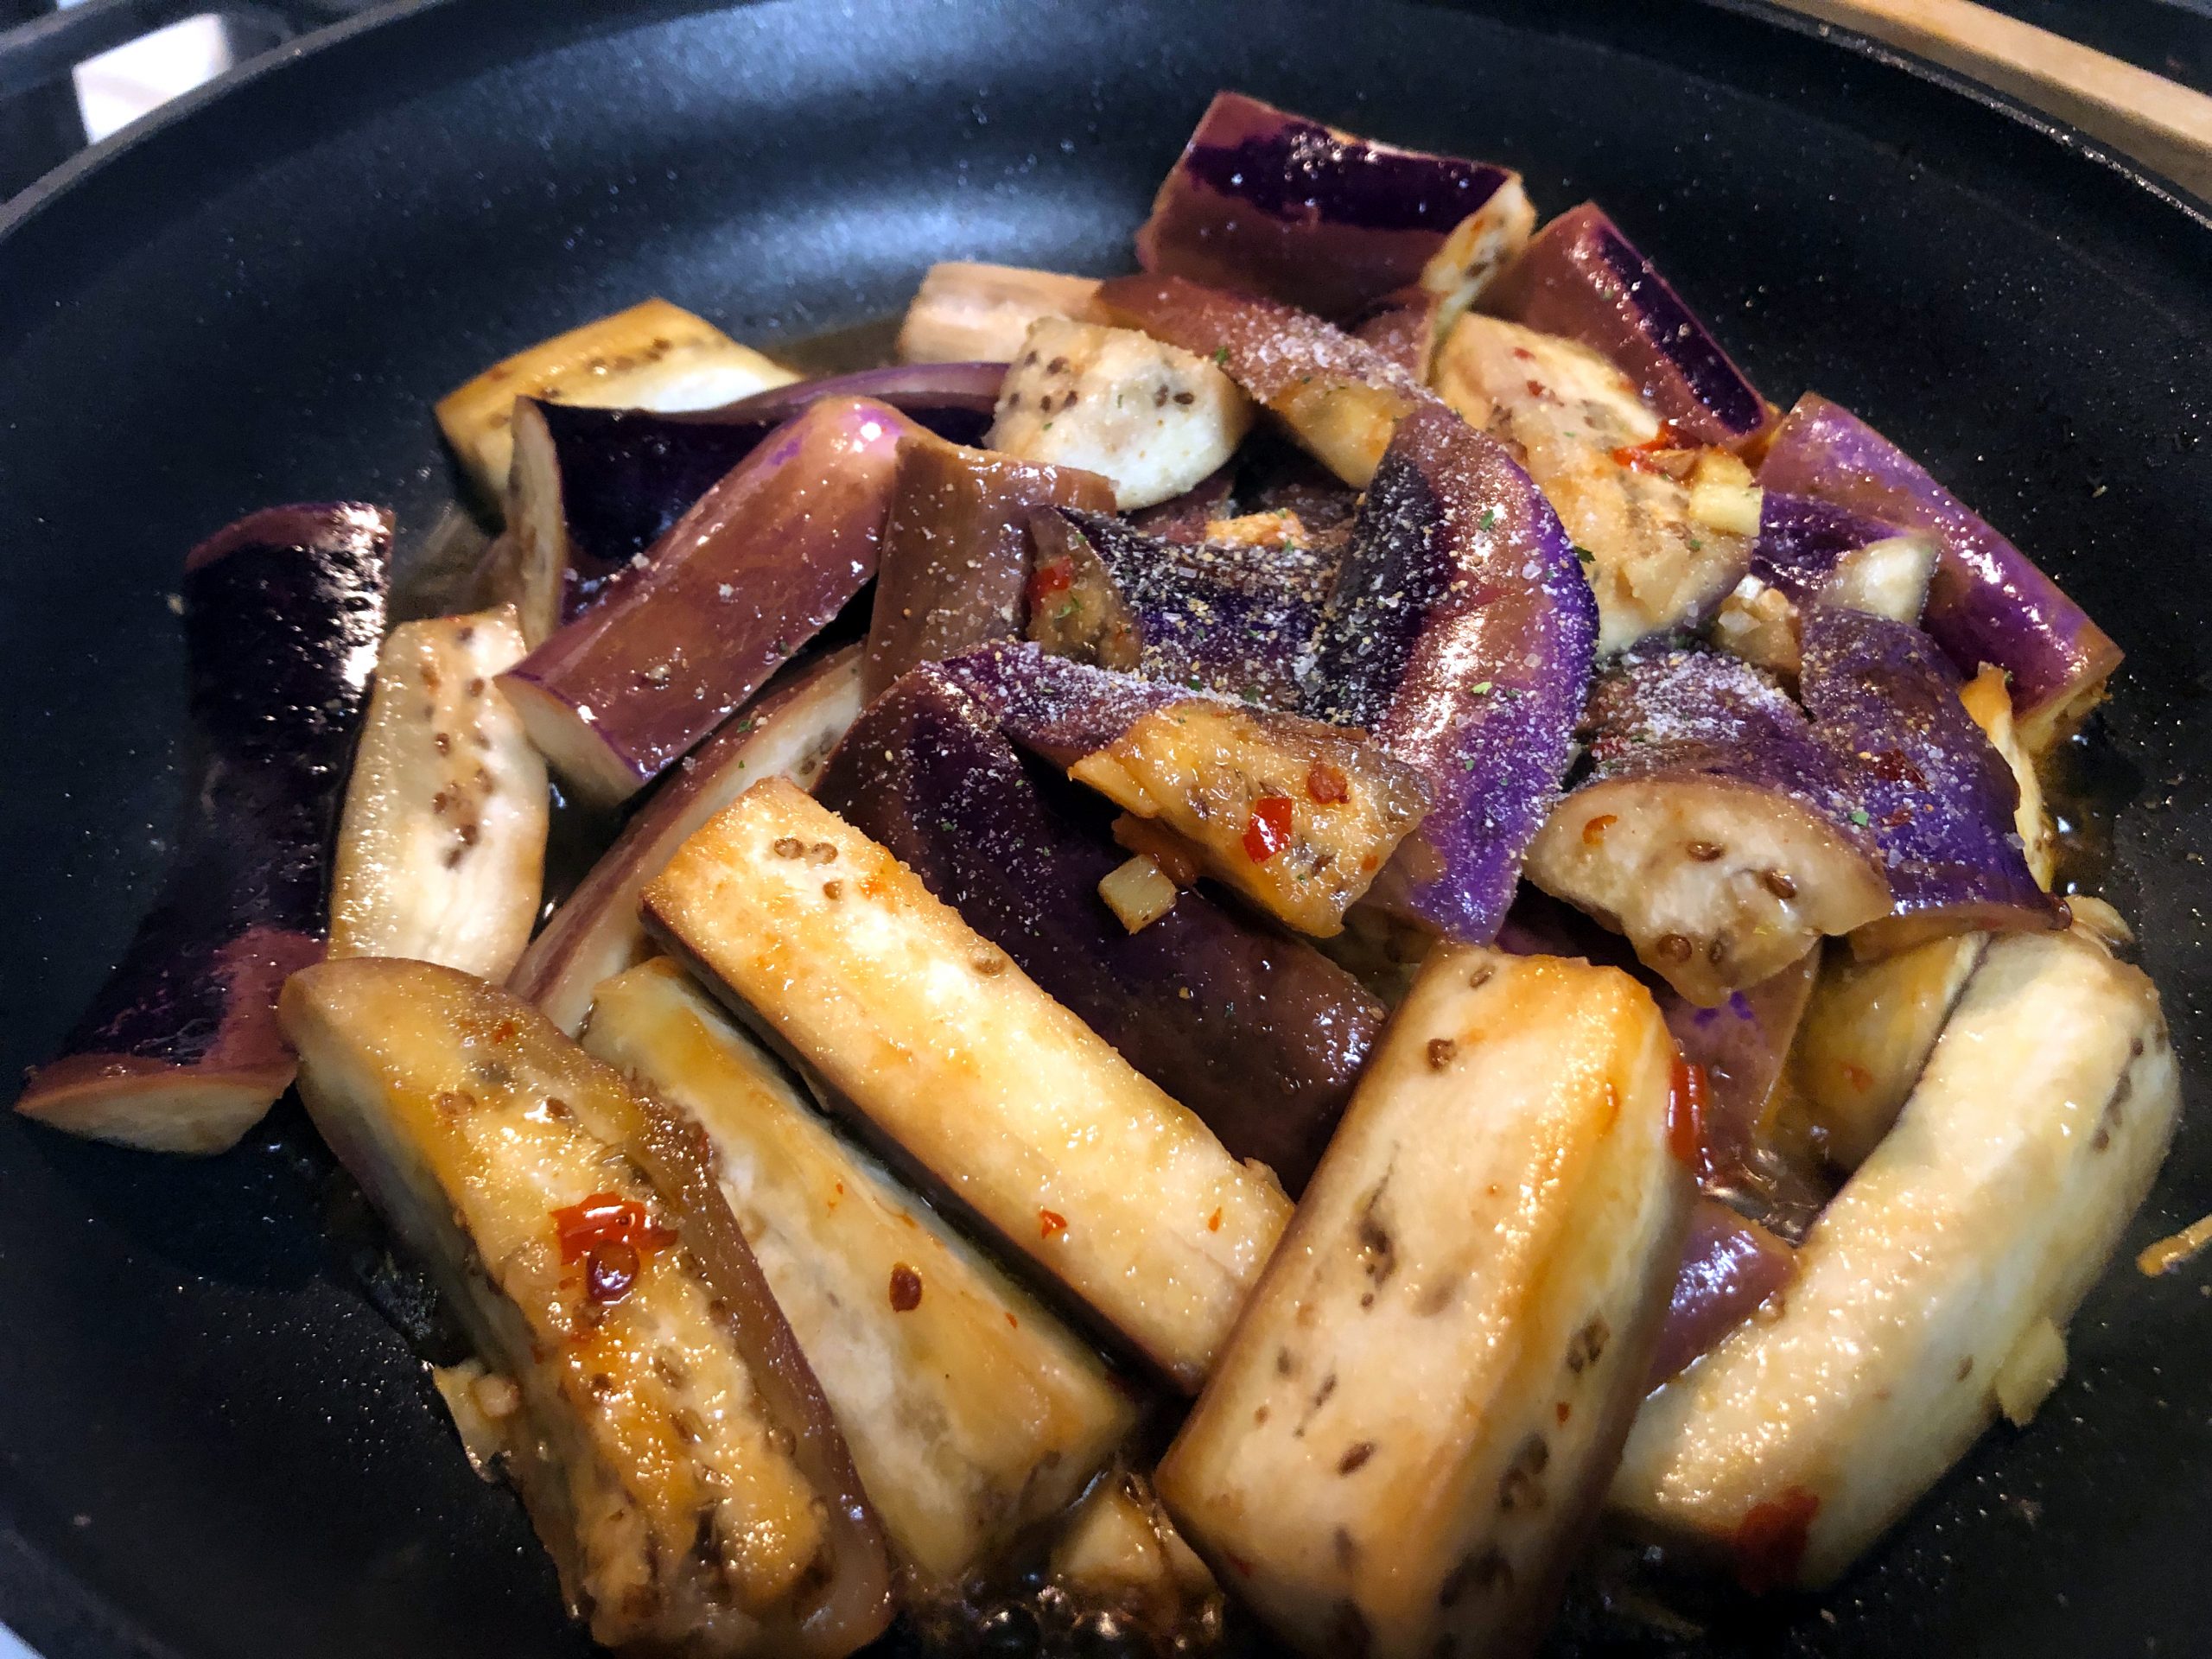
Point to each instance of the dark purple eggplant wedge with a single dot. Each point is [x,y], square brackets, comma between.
[1714,829]
[1460,634]
[1813,552]
[1730,1266]
[1932,788]
[674,1449]
[1233,617]
[1338,398]
[1403,1448]
[954,572]
[1004,1103]
[1663,529]
[787,732]
[954,400]
[179,1052]
[762,563]
[969,313]
[1987,602]
[1296,815]
[1259,1034]
[1582,278]
[1264,201]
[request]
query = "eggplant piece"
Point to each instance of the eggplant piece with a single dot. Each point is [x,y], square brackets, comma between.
[1340,399]
[1938,796]
[1714,830]
[1582,278]
[1296,815]
[955,567]
[1184,518]
[1663,538]
[1742,1049]
[674,1452]
[1257,1033]
[953,400]
[762,562]
[1730,1267]
[1266,202]
[1868,1031]
[1402,1447]
[1811,552]
[1234,617]
[1969,1236]
[1987,602]
[970,1412]
[654,355]
[441,845]
[963,312]
[787,732]
[1989,702]
[927,1036]
[179,1051]
[1460,633]
[1153,418]
[1406,327]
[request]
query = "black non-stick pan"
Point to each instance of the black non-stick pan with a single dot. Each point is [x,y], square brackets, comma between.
[212,1442]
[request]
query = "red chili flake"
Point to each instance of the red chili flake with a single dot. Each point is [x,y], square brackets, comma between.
[1051,1221]
[1769,1540]
[906,1288]
[1593,833]
[1644,456]
[1686,1113]
[1213,1222]
[1562,1410]
[604,1218]
[1056,576]
[1325,785]
[1857,1076]
[1267,831]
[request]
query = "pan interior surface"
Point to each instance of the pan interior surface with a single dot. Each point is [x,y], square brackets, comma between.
[211,1443]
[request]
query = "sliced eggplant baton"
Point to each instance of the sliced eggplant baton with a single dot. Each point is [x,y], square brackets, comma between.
[676,1455]
[1811,552]
[927,1035]
[1402,1447]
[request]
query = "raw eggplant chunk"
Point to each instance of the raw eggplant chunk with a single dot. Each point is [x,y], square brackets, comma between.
[1151,417]
[1460,633]
[1002,1101]
[955,567]
[1259,1034]
[1730,1266]
[1714,830]
[1811,552]
[1338,398]
[788,732]
[1237,619]
[1868,1031]
[971,1412]
[1987,602]
[674,1452]
[1939,796]
[970,312]
[1264,201]
[1404,1443]
[764,560]
[179,1051]
[441,845]
[1582,278]
[1934,1285]
[653,356]
[1663,529]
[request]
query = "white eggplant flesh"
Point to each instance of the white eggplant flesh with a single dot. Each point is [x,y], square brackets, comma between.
[1587,439]
[1402,1449]
[970,1411]
[1932,1284]
[966,313]
[936,1043]
[1989,700]
[654,355]
[672,1449]
[441,845]
[1151,419]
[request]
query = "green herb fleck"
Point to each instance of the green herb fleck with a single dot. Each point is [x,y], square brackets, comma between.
[1584,554]
[1480,688]
[1694,544]
[947,825]
[1066,610]
[1221,357]
[1858,817]
[1467,765]
[1489,518]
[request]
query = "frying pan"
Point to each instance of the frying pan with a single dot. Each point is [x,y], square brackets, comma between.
[211,1441]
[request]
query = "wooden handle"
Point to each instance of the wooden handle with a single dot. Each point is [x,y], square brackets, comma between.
[2166,126]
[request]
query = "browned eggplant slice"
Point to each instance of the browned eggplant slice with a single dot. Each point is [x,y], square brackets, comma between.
[970,312]
[674,1449]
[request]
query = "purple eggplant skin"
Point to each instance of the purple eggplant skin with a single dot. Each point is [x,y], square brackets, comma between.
[1801,540]
[1729,1266]
[1055,708]
[1268,202]
[1258,1033]
[1987,602]
[1237,619]
[954,400]
[955,567]
[1937,795]
[1461,634]
[1580,277]
[180,1051]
